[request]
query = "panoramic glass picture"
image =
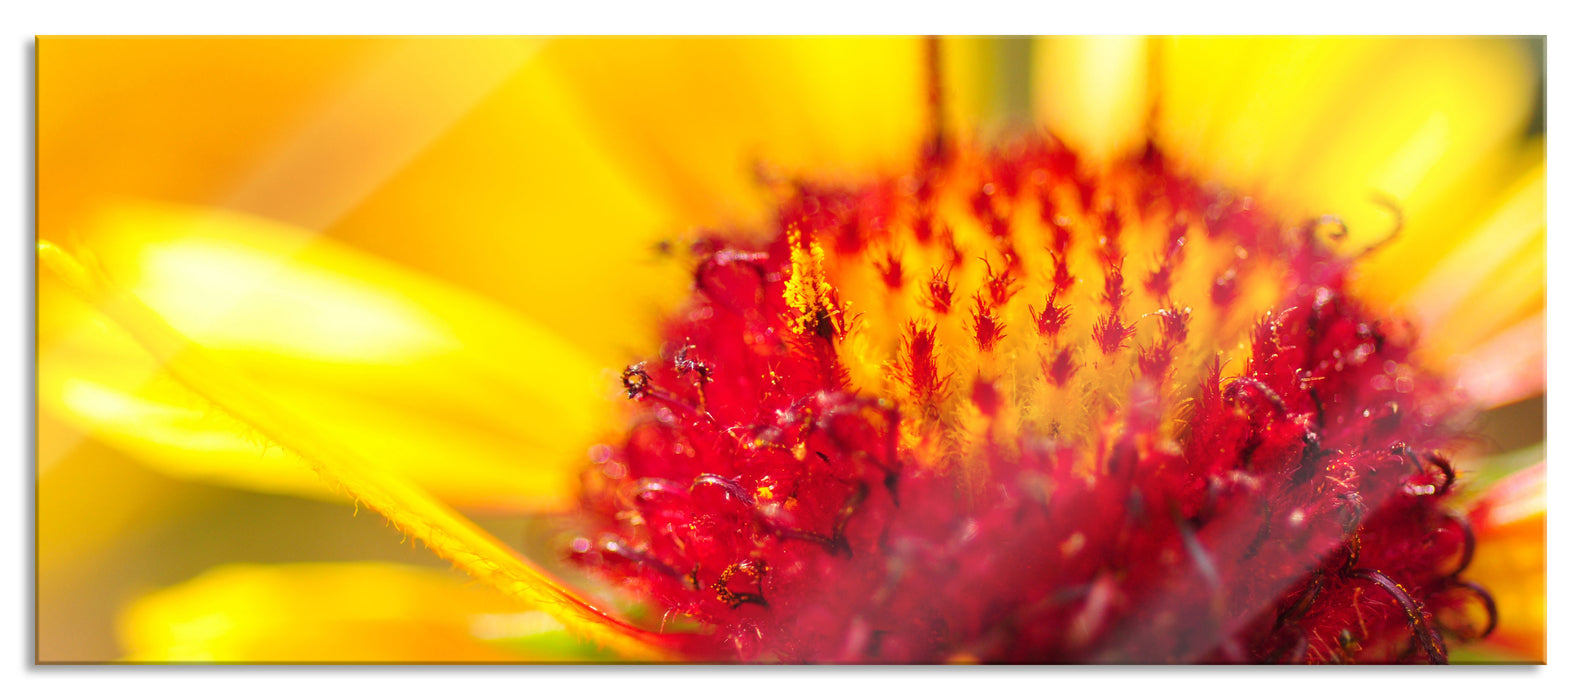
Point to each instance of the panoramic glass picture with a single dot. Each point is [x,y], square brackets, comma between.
[859,350]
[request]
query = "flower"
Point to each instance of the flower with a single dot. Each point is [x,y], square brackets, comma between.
[430,364]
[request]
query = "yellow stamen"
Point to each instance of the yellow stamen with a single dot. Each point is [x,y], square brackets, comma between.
[808,292]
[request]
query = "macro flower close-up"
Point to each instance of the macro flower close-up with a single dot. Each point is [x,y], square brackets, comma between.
[857,350]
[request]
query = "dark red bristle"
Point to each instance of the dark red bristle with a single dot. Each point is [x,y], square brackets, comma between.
[1115,288]
[955,255]
[1162,276]
[1173,323]
[1052,318]
[1111,334]
[937,292]
[1061,367]
[1060,237]
[999,287]
[986,329]
[889,268]
[1154,360]
[1063,279]
[920,368]
[986,397]
[989,204]
[1109,250]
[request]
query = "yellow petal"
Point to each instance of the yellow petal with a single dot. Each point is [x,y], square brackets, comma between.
[1322,124]
[1472,276]
[130,404]
[984,81]
[297,129]
[486,409]
[1240,108]
[89,499]
[339,613]
[96,378]
[1509,367]
[1327,125]
[1510,522]
[456,156]
[696,115]
[410,508]
[1494,275]
[522,202]
[1093,91]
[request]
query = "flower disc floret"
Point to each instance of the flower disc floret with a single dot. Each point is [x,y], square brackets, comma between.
[1197,445]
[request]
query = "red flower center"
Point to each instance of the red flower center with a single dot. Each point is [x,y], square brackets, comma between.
[980,411]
